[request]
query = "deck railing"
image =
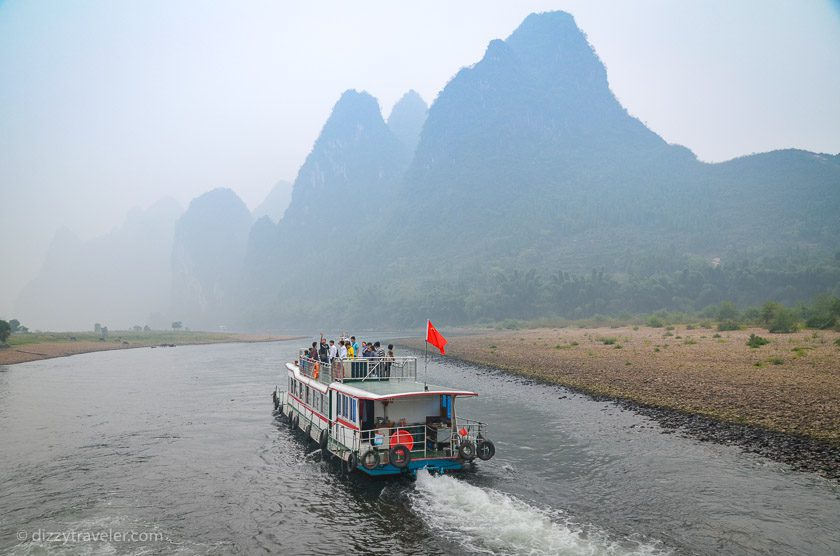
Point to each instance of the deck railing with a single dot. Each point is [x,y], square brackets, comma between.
[359,369]
[426,441]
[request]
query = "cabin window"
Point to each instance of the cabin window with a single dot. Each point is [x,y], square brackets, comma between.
[446,406]
[353,404]
[307,394]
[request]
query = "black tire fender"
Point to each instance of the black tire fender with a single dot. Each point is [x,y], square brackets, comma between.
[308,432]
[466,449]
[323,439]
[399,456]
[485,450]
[352,462]
[370,459]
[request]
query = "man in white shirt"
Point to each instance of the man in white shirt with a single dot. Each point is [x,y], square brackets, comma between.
[333,350]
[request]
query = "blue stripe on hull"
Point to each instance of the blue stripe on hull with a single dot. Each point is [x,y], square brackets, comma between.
[440,465]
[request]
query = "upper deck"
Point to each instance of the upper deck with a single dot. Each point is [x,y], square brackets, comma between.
[367,369]
[373,377]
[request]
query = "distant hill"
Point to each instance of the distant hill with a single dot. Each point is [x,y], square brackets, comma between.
[207,257]
[339,200]
[117,279]
[527,162]
[407,119]
[275,203]
[525,190]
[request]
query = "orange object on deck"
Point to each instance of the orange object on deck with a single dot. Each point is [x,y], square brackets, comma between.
[402,436]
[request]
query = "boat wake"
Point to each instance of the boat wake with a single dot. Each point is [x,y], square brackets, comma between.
[487,521]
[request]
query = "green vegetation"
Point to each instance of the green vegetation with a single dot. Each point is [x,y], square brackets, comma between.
[5,331]
[822,313]
[757,341]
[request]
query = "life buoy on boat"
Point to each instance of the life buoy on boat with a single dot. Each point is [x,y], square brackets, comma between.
[317,370]
[323,439]
[370,459]
[466,449]
[402,436]
[399,456]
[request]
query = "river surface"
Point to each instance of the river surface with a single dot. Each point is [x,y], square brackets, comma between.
[175,450]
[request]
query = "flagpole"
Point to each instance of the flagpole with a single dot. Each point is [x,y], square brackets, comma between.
[426,358]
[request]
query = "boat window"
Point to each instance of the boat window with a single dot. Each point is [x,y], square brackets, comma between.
[353,404]
[446,405]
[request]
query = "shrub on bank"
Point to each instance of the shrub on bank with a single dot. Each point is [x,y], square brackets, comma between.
[757,341]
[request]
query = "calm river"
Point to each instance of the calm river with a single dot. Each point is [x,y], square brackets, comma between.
[175,450]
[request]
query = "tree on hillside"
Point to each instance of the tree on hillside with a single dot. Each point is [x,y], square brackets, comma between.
[5,330]
[15,325]
[177,325]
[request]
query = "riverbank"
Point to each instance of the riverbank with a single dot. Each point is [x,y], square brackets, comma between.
[781,399]
[36,346]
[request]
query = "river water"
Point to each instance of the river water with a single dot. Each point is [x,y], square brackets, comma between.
[175,450]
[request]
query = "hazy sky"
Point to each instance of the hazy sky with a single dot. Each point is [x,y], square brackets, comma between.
[113,104]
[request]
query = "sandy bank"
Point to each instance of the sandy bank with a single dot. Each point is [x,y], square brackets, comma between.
[47,346]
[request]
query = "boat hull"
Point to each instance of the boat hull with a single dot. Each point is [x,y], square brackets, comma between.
[311,424]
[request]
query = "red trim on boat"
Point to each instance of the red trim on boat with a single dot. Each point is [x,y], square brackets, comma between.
[347,424]
[301,402]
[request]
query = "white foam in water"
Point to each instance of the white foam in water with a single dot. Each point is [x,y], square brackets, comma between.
[487,521]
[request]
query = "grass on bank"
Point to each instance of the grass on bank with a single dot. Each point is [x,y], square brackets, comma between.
[118,336]
[823,313]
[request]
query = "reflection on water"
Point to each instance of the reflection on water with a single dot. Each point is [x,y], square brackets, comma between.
[180,443]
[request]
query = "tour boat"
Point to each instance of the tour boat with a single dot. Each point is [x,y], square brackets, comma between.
[374,415]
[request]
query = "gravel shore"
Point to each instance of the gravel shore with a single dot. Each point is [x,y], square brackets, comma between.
[781,400]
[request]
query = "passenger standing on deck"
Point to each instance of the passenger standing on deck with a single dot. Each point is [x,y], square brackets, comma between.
[324,351]
[389,359]
[333,350]
[356,350]
[342,350]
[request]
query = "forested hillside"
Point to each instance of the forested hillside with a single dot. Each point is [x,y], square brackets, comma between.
[532,192]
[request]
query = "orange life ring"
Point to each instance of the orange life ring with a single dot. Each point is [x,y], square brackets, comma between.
[402,436]
[317,370]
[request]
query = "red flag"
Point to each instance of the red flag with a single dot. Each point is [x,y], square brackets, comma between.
[434,337]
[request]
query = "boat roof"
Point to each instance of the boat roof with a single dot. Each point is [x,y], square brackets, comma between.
[387,389]
[380,389]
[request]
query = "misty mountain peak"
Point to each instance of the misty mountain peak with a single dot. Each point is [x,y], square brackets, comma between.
[354,112]
[407,118]
[356,151]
